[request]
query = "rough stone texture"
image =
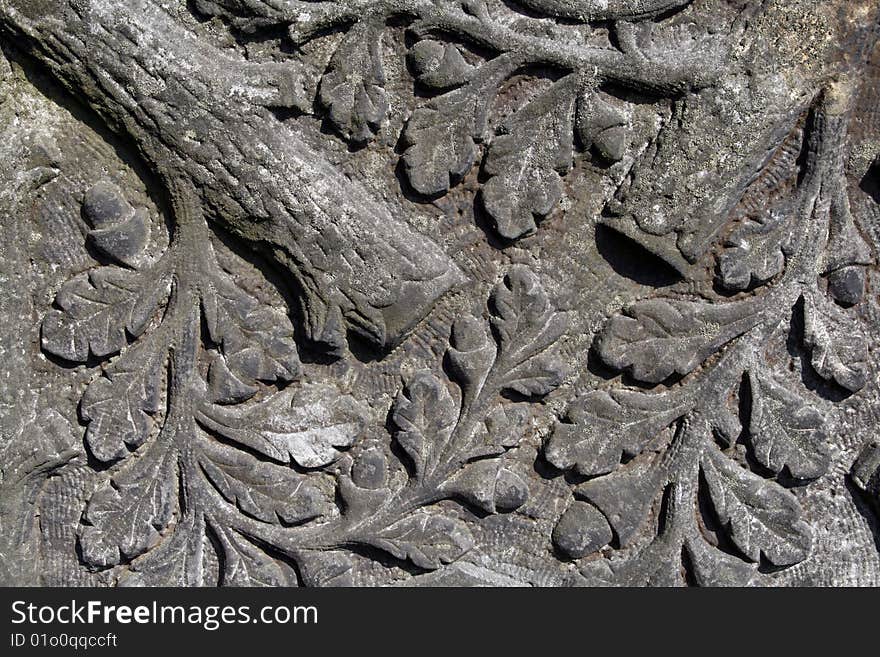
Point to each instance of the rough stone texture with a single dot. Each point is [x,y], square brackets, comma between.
[439,292]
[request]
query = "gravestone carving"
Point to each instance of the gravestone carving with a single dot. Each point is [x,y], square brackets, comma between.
[439,292]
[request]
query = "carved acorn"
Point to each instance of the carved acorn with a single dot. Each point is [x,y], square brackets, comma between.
[506,425]
[119,231]
[602,127]
[490,486]
[581,530]
[470,356]
[847,285]
[847,255]
[437,65]
[369,468]
[511,492]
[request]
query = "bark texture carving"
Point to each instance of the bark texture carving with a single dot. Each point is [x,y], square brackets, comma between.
[421,292]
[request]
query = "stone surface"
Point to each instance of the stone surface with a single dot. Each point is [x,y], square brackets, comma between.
[439,292]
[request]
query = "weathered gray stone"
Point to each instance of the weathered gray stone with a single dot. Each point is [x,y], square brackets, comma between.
[423,292]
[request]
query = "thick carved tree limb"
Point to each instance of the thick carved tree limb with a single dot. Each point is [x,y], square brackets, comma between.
[200,117]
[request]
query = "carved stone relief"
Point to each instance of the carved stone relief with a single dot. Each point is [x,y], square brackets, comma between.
[439,292]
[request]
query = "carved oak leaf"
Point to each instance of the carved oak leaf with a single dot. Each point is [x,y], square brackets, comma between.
[441,136]
[537,377]
[307,424]
[352,90]
[604,426]
[33,456]
[244,564]
[784,431]
[525,163]
[656,338]
[712,567]
[43,444]
[256,341]
[97,312]
[184,559]
[440,140]
[125,518]
[119,405]
[659,564]
[759,515]
[526,325]
[839,351]
[427,540]
[755,253]
[425,415]
[325,568]
[625,496]
[505,426]
[438,66]
[265,491]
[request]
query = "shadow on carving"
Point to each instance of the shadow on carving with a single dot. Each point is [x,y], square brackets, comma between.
[867,509]
[632,261]
[811,380]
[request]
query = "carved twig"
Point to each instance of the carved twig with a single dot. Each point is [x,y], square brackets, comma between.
[783,432]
